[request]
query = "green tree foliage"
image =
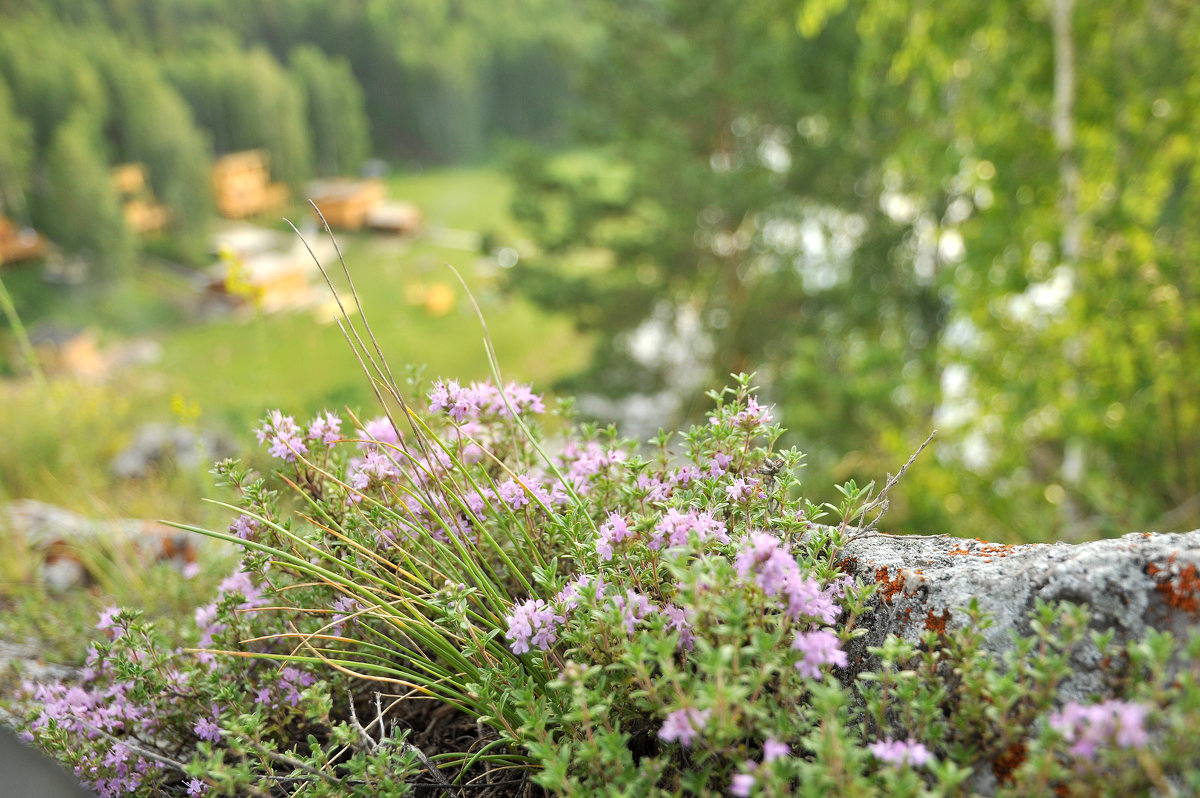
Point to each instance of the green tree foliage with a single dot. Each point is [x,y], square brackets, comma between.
[1052,138]
[150,123]
[16,156]
[743,222]
[132,115]
[59,92]
[460,65]
[440,78]
[80,209]
[973,216]
[246,100]
[49,82]
[337,119]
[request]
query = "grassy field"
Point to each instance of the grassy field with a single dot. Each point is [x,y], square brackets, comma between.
[236,368]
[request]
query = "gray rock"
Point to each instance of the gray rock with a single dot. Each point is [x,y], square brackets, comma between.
[31,773]
[58,537]
[156,446]
[1129,585]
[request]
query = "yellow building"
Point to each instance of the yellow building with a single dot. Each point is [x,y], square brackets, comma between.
[242,185]
[143,213]
[345,204]
[18,243]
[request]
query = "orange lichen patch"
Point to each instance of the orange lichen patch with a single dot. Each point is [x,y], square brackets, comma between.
[937,623]
[984,549]
[888,588]
[1180,590]
[1009,760]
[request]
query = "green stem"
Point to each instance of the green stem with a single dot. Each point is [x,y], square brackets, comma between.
[14,321]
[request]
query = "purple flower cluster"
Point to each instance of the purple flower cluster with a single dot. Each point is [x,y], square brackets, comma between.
[461,516]
[244,526]
[482,400]
[128,772]
[685,475]
[819,647]
[376,431]
[375,468]
[451,398]
[470,437]
[512,493]
[752,415]
[651,488]
[634,607]
[282,435]
[108,622]
[763,561]
[742,784]
[100,704]
[240,582]
[534,622]
[674,527]
[1091,727]
[900,752]
[207,729]
[748,417]
[516,493]
[344,609]
[86,713]
[286,689]
[584,463]
[719,464]
[679,620]
[741,490]
[521,397]
[683,725]
[206,616]
[571,596]
[326,428]
[614,530]
[519,491]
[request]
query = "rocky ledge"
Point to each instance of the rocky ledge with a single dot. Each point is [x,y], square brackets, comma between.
[1129,584]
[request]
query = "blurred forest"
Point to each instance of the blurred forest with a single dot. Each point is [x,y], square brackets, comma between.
[168,83]
[975,217]
[902,215]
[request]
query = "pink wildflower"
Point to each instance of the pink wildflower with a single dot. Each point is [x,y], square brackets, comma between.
[1090,727]
[683,725]
[533,621]
[821,647]
[741,785]
[773,749]
[326,428]
[282,435]
[901,752]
